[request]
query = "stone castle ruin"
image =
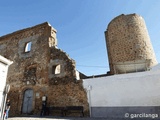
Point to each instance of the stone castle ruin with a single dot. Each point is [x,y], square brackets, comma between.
[128,44]
[133,87]
[39,68]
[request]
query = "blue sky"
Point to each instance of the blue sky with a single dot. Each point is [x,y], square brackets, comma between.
[80,25]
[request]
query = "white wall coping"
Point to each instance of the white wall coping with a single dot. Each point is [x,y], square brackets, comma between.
[4,60]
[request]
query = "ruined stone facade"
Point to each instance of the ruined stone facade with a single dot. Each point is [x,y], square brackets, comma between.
[39,68]
[128,44]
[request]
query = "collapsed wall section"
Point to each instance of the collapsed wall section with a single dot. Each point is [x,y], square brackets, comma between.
[39,69]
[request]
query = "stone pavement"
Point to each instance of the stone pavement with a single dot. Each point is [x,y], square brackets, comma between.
[55,118]
[74,118]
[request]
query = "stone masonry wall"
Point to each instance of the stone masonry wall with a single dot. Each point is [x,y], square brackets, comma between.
[128,40]
[33,70]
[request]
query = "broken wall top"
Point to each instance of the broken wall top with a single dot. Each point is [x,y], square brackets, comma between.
[40,29]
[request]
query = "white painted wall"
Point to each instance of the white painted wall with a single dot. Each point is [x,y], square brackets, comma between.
[4,64]
[3,73]
[132,89]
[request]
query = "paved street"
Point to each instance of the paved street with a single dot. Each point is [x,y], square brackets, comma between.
[54,118]
[75,118]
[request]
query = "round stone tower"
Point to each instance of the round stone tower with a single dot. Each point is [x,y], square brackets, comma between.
[128,45]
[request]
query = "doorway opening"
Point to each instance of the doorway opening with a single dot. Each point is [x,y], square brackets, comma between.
[27,101]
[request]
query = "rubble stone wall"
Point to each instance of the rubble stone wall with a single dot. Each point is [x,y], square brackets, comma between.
[34,70]
[128,40]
